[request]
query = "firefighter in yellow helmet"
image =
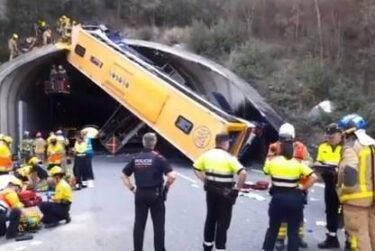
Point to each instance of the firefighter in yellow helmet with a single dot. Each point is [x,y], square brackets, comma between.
[356,183]
[11,210]
[55,152]
[58,209]
[13,46]
[6,163]
[33,172]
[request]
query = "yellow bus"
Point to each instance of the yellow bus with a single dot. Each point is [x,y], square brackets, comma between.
[182,117]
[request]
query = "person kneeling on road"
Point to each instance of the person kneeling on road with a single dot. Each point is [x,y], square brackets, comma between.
[11,210]
[58,208]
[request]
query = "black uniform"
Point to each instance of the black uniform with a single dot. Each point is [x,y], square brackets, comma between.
[149,169]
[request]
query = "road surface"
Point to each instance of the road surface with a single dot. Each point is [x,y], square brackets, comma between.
[102,217]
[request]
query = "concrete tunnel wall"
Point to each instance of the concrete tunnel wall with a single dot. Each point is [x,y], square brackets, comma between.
[16,77]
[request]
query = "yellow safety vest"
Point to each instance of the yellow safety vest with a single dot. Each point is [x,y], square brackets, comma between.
[80,148]
[328,154]
[219,166]
[362,158]
[286,173]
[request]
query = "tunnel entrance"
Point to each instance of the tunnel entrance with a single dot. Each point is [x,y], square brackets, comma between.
[87,104]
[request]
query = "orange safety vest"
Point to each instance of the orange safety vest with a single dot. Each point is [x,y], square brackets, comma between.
[4,203]
[300,150]
[6,163]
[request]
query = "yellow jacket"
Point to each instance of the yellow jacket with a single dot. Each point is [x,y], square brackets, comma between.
[63,192]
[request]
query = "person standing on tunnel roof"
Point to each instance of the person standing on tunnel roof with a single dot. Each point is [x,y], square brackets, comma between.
[13,46]
[287,193]
[216,168]
[149,169]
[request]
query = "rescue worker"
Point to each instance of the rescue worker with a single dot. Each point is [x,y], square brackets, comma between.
[40,145]
[356,183]
[89,155]
[54,152]
[6,163]
[61,73]
[58,209]
[80,162]
[287,131]
[13,46]
[329,155]
[26,147]
[149,169]
[64,142]
[11,210]
[287,194]
[216,168]
[32,173]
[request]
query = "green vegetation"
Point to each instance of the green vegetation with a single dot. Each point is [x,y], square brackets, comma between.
[296,53]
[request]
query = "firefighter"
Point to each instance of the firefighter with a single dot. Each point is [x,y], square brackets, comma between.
[149,169]
[216,168]
[287,131]
[33,172]
[54,152]
[11,210]
[26,147]
[40,145]
[58,209]
[6,163]
[64,142]
[329,155]
[356,188]
[287,194]
[13,46]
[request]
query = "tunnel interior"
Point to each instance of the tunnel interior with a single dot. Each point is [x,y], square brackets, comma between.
[87,104]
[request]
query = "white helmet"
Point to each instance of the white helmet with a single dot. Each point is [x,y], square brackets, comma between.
[287,130]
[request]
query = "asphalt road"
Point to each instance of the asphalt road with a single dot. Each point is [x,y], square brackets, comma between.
[102,217]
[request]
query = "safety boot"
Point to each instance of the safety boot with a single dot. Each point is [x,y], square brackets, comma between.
[302,243]
[207,247]
[329,242]
[347,246]
[279,245]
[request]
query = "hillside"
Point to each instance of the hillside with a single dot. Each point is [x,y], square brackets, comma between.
[297,53]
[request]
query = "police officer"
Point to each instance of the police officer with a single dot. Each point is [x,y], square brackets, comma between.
[149,169]
[287,194]
[356,185]
[216,169]
[328,157]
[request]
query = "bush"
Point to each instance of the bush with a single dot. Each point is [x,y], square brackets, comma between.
[217,41]
[252,60]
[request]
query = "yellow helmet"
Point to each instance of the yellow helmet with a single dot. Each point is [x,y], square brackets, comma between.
[56,170]
[15,35]
[15,182]
[8,139]
[34,161]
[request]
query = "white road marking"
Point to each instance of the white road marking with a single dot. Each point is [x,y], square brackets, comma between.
[195,185]
[187,178]
[35,243]
[321,223]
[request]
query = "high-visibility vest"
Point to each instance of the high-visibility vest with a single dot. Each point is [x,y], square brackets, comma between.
[362,193]
[300,150]
[55,153]
[6,163]
[328,154]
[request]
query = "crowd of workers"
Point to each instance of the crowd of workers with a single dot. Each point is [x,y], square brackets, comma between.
[42,35]
[44,165]
[345,162]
